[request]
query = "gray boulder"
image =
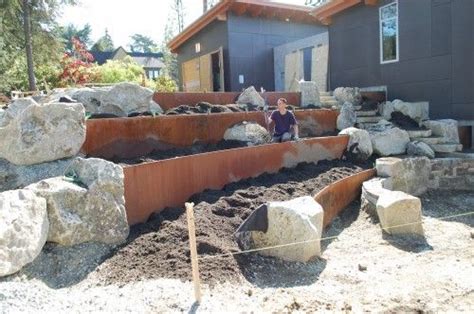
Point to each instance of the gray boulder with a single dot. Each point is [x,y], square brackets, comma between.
[418,111]
[43,133]
[125,98]
[347,117]
[309,93]
[371,191]
[400,213]
[86,205]
[90,98]
[297,220]
[251,96]
[389,141]
[14,177]
[418,148]
[250,132]
[23,229]
[445,128]
[359,143]
[348,94]
[409,175]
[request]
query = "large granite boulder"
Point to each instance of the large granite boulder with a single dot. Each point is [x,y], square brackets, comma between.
[409,175]
[43,133]
[389,141]
[418,111]
[348,94]
[279,223]
[309,93]
[87,204]
[359,145]
[91,98]
[250,132]
[400,213]
[126,98]
[445,128]
[14,177]
[418,148]
[347,117]
[371,191]
[251,96]
[23,229]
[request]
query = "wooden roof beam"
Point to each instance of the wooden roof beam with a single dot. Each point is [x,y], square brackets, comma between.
[240,9]
[257,11]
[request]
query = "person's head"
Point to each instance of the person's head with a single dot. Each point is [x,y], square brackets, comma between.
[282,104]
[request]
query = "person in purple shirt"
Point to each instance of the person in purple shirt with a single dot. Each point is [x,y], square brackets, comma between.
[286,127]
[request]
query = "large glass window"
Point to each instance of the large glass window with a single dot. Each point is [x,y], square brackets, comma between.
[389,33]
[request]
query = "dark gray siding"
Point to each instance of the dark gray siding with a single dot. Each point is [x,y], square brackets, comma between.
[211,38]
[251,43]
[436,54]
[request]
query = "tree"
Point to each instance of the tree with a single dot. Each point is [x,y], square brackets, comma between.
[71,31]
[77,65]
[36,40]
[178,11]
[104,43]
[315,3]
[208,4]
[141,43]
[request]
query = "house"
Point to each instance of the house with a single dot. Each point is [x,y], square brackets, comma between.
[151,62]
[232,45]
[420,50]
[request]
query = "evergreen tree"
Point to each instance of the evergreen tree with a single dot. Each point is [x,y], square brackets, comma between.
[141,43]
[104,43]
[71,31]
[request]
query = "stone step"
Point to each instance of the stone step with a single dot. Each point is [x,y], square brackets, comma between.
[329,103]
[366,126]
[325,93]
[419,133]
[373,119]
[432,140]
[446,148]
[326,98]
[366,113]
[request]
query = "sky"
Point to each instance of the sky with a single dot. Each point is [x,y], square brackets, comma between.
[123,18]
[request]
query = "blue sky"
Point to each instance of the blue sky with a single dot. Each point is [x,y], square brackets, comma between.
[123,18]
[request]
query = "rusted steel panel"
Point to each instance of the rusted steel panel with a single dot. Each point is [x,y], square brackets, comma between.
[172,100]
[151,187]
[338,195]
[134,137]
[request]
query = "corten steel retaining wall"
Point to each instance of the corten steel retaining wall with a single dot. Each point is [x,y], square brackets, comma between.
[336,196]
[171,100]
[151,187]
[134,137]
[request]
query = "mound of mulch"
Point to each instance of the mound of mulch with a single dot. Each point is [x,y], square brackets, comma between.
[160,248]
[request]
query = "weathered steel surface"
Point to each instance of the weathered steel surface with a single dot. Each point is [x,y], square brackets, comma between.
[171,100]
[338,195]
[133,137]
[151,187]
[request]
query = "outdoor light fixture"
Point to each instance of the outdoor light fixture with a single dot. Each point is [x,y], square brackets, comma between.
[198,47]
[287,19]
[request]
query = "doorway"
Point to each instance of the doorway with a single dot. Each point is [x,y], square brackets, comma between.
[204,73]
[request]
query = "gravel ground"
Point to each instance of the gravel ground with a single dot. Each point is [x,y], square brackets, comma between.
[362,270]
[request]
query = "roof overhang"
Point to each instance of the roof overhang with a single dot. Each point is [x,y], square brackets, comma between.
[253,8]
[325,12]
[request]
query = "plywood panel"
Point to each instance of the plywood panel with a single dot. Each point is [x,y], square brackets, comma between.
[293,70]
[319,69]
[191,77]
[205,73]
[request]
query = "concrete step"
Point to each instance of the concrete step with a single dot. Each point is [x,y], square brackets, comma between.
[432,140]
[373,119]
[326,98]
[329,103]
[446,148]
[325,93]
[366,113]
[365,126]
[419,133]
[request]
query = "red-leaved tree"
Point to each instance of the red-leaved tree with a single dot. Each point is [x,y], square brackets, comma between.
[77,65]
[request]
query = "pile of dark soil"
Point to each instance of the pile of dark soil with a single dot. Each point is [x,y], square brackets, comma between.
[160,248]
[197,148]
[405,122]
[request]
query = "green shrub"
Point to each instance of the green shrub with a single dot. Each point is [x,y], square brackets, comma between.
[165,84]
[116,71]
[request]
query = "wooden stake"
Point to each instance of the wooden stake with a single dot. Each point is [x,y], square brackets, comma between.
[193,249]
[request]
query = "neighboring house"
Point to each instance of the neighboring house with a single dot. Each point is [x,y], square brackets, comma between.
[419,49]
[232,46]
[152,63]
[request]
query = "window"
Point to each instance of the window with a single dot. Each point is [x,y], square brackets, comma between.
[388,15]
[197,47]
[307,63]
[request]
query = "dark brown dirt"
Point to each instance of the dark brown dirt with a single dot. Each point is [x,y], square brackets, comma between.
[404,122]
[160,248]
[197,148]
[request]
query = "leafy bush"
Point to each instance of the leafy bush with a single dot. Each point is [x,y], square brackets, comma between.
[116,71]
[165,84]
[77,66]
